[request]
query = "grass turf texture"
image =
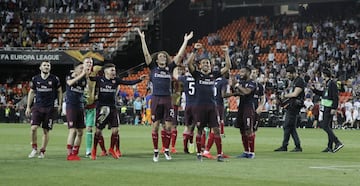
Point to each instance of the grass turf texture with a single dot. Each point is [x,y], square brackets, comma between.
[311,167]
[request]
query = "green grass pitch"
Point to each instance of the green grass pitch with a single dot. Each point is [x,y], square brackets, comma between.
[311,167]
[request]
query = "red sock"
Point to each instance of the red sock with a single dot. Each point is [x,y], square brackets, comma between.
[222,128]
[203,139]
[117,143]
[163,134]
[96,141]
[113,141]
[185,139]
[210,141]
[102,143]
[245,142]
[173,137]
[75,150]
[42,150]
[167,139]
[217,139]
[198,142]
[251,139]
[34,146]
[155,139]
[69,149]
[191,137]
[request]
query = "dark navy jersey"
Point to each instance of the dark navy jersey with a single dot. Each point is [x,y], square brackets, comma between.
[161,79]
[189,89]
[45,90]
[220,86]
[205,87]
[259,92]
[247,100]
[107,88]
[75,93]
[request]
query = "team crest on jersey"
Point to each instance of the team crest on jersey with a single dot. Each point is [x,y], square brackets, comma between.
[166,68]
[211,76]
[50,83]
[113,81]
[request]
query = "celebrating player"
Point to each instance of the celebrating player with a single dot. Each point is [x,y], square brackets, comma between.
[162,67]
[75,86]
[46,87]
[106,112]
[205,99]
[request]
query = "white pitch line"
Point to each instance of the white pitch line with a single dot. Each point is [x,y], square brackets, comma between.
[337,167]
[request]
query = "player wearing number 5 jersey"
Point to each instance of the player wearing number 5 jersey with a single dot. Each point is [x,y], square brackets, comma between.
[189,89]
[205,105]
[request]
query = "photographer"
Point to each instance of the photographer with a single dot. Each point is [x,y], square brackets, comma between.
[296,98]
[328,107]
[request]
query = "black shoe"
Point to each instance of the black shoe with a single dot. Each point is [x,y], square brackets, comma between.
[199,157]
[186,151]
[327,150]
[338,147]
[297,149]
[281,149]
[220,158]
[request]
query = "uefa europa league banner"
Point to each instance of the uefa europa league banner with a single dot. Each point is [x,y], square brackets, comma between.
[55,57]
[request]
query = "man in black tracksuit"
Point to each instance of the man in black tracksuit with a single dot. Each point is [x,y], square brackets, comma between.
[328,107]
[295,93]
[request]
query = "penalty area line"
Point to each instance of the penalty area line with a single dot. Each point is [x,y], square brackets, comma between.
[337,167]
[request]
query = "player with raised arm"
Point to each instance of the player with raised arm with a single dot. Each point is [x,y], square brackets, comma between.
[162,66]
[46,88]
[189,89]
[205,104]
[106,113]
[75,86]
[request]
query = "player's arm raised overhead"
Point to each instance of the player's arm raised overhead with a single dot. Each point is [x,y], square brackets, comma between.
[227,66]
[144,47]
[191,59]
[181,51]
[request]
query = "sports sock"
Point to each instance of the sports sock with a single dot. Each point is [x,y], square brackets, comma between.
[89,137]
[167,139]
[96,141]
[117,142]
[102,143]
[185,139]
[75,150]
[217,139]
[210,141]
[34,146]
[245,142]
[203,139]
[69,149]
[155,139]
[251,139]
[198,143]
[222,128]
[113,141]
[173,137]
[163,134]
[191,137]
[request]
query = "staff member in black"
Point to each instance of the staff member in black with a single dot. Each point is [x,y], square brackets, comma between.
[328,107]
[296,100]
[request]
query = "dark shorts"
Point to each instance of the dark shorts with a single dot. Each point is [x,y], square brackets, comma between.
[112,120]
[161,108]
[138,112]
[43,116]
[245,119]
[189,115]
[75,118]
[206,116]
[220,110]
